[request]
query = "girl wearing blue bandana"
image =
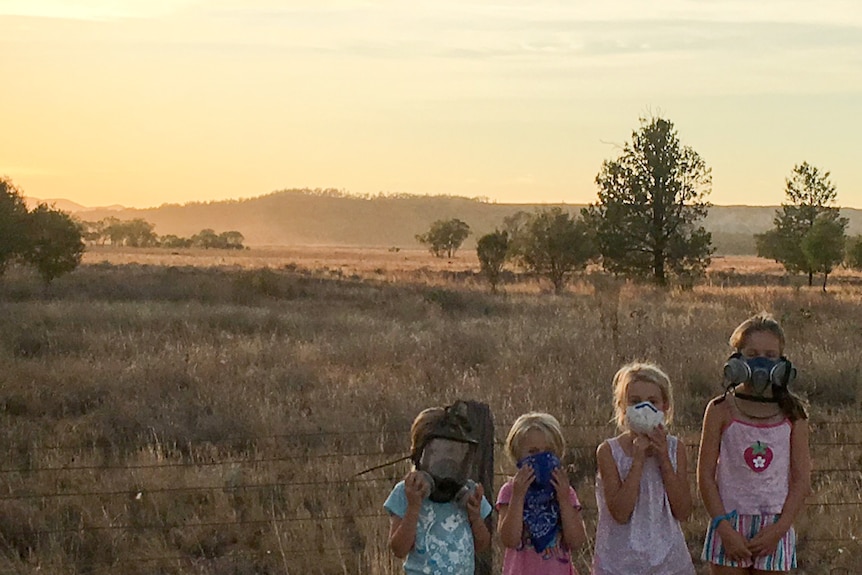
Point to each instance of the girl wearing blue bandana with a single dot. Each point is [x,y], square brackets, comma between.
[642,486]
[540,522]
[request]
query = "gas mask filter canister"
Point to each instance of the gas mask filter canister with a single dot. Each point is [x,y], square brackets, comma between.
[761,372]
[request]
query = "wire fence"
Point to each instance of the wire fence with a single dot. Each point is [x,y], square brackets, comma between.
[60,481]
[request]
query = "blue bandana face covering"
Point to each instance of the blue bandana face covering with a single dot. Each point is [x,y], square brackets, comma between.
[541,508]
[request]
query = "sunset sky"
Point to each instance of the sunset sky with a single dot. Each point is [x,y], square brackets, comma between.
[145,102]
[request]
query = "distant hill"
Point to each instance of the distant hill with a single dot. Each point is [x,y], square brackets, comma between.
[329,217]
[69,206]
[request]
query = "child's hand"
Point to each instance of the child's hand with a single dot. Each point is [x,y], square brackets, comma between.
[474,504]
[522,480]
[560,481]
[640,445]
[735,545]
[415,488]
[766,541]
[657,441]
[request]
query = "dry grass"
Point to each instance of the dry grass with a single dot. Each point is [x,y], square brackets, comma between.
[194,415]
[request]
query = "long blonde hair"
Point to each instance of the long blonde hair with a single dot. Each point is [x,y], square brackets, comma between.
[640,371]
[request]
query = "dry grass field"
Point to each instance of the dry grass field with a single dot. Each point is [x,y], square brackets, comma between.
[207,413]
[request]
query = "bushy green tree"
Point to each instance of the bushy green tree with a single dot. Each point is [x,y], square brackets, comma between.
[853,252]
[493,250]
[13,221]
[651,201]
[54,242]
[554,244]
[445,237]
[811,197]
[823,245]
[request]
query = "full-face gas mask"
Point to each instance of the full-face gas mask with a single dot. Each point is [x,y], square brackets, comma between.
[761,372]
[446,455]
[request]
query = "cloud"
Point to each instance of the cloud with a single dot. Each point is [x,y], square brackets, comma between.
[93,9]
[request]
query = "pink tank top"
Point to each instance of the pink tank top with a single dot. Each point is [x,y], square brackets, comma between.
[753,471]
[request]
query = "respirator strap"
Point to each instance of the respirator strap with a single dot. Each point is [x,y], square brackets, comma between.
[757,398]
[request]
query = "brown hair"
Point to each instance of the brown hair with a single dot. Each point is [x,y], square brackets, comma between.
[791,405]
[760,322]
[422,425]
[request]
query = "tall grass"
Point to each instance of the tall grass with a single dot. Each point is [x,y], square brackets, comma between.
[179,420]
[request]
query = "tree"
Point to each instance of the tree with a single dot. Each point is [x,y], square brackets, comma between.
[231,240]
[651,199]
[54,242]
[174,242]
[445,237]
[853,253]
[810,194]
[136,233]
[823,245]
[13,216]
[555,244]
[493,250]
[206,239]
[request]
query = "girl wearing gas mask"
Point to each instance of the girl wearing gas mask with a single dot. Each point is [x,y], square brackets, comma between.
[539,521]
[642,487]
[754,467]
[437,514]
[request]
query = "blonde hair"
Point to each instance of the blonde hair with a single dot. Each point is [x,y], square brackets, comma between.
[763,321]
[544,422]
[422,425]
[640,371]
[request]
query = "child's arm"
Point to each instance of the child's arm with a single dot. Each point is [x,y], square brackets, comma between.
[622,496]
[714,419]
[574,531]
[767,539]
[511,516]
[481,535]
[402,530]
[675,481]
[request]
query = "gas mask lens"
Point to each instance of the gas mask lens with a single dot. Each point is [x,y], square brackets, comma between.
[447,462]
[446,459]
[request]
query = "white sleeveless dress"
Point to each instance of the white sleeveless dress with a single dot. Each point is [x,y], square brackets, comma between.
[651,543]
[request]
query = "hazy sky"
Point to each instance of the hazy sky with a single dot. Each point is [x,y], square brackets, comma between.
[143,102]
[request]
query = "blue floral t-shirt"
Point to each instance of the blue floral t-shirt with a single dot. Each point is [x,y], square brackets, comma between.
[444,540]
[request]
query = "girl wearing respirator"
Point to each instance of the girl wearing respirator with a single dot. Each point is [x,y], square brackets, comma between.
[754,467]
[642,489]
[437,513]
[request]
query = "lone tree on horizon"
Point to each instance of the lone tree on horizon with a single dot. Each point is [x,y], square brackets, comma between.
[651,200]
[445,237]
[809,233]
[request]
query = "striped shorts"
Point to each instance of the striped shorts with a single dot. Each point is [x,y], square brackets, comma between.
[782,559]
